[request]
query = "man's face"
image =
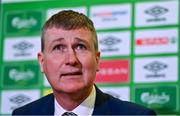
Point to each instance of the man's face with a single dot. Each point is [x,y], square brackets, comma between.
[69,60]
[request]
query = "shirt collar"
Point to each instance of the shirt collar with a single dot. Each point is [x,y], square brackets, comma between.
[85,108]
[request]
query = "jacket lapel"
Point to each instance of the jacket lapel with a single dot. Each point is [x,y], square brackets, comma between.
[48,107]
[101,104]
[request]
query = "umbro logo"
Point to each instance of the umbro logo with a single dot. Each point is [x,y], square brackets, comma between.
[155,67]
[157,12]
[110,42]
[22,48]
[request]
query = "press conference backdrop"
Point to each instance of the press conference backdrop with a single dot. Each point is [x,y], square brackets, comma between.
[138,40]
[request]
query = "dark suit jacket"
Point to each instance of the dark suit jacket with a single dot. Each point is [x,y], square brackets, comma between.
[104,105]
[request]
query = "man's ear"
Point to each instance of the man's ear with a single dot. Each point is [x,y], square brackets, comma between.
[40,56]
[98,54]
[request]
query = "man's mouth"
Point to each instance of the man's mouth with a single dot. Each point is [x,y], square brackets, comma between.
[71,74]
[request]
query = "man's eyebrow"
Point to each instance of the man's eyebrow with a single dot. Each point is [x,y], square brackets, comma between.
[77,39]
[58,40]
[81,40]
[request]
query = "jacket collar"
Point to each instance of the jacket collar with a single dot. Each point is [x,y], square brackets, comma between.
[101,104]
[49,106]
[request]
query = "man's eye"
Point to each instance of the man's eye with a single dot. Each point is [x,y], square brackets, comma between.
[81,47]
[59,47]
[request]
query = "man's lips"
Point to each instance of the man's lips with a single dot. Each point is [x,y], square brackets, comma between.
[71,74]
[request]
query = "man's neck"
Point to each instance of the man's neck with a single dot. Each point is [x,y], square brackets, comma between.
[70,101]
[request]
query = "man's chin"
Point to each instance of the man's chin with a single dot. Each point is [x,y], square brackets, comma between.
[71,88]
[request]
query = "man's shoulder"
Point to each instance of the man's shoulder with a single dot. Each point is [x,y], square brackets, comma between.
[117,106]
[128,107]
[35,106]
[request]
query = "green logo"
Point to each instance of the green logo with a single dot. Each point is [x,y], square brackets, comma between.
[23,22]
[161,98]
[155,98]
[17,75]
[20,76]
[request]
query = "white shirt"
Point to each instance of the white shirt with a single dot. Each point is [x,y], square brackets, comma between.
[85,108]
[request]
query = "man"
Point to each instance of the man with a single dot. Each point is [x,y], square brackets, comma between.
[70,60]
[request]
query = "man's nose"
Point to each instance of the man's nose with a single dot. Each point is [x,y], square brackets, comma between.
[71,58]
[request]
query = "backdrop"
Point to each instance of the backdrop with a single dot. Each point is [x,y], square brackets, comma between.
[138,40]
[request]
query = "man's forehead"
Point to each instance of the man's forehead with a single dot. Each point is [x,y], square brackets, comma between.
[59,33]
[76,39]
[56,29]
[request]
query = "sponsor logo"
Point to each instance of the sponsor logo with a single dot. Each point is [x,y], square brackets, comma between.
[156,12]
[113,71]
[19,100]
[115,16]
[149,98]
[161,98]
[155,67]
[20,75]
[155,41]
[110,42]
[22,48]
[17,76]
[109,16]
[23,22]
[12,99]
[115,13]
[19,23]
